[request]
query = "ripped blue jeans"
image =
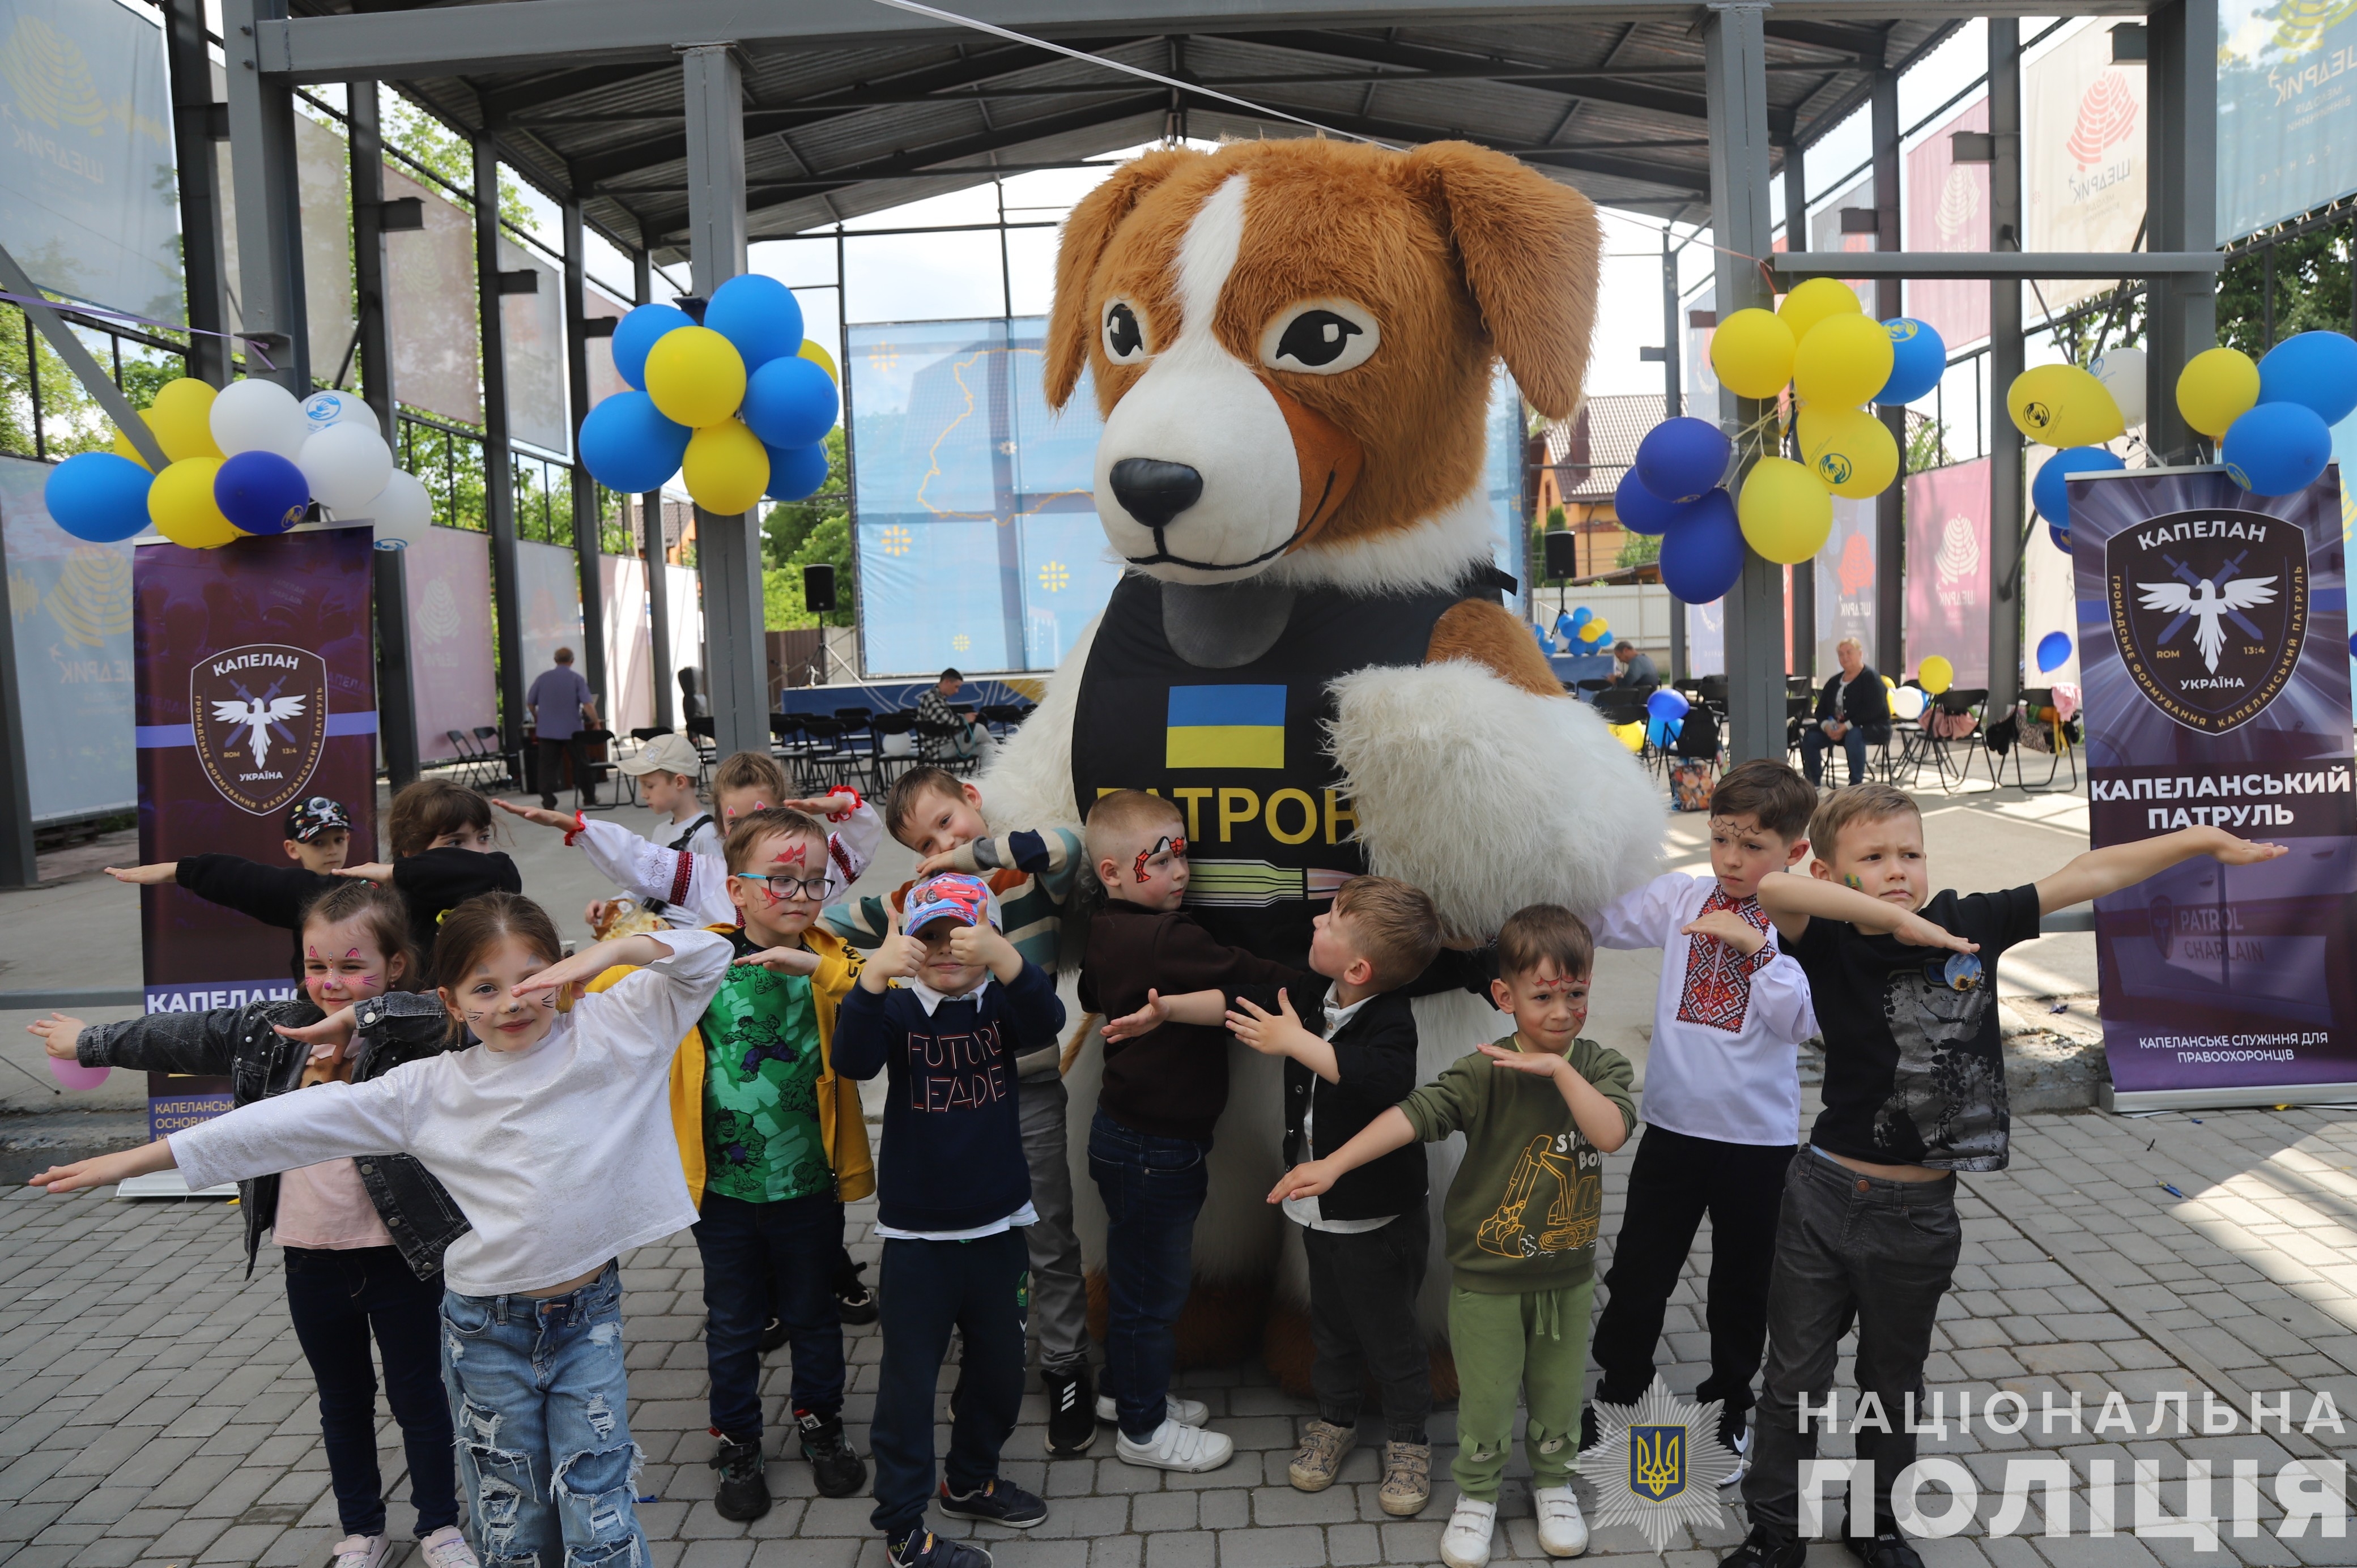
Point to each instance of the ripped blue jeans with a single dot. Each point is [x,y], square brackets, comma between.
[541,1404]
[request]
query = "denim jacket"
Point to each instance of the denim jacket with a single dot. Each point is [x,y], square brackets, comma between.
[239,1042]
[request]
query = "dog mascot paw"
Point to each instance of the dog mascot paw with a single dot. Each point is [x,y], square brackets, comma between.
[1292,342]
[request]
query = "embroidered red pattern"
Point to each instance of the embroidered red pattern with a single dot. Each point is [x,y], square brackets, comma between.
[683,873]
[1717,989]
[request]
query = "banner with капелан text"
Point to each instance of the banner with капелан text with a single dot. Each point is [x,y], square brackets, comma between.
[2214,641]
[255,688]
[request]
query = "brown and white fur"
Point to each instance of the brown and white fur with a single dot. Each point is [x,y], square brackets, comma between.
[1473,776]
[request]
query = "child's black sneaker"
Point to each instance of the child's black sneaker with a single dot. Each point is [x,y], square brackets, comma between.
[1885,1549]
[840,1472]
[1589,1435]
[1763,1550]
[995,1502]
[744,1478]
[1071,1411]
[854,1301]
[923,1548]
[1733,1437]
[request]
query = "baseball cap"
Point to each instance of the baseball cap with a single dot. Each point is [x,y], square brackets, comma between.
[315,816]
[951,895]
[663,754]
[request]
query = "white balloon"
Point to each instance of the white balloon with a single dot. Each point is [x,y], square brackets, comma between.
[1908,702]
[325,408]
[2122,372]
[258,417]
[402,511]
[346,463]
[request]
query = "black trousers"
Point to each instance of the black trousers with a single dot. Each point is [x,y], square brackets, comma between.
[981,1288]
[1362,1291]
[551,774]
[1674,1181]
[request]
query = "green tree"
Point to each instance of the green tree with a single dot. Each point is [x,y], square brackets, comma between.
[1638,550]
[72,419]
[809,533]
[2312,290]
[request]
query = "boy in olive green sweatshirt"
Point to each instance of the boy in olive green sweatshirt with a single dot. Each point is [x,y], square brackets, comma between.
[1539,1115]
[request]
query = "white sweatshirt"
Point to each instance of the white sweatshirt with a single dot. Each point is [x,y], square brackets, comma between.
[1725,1062]
[560,1157]
[699,883]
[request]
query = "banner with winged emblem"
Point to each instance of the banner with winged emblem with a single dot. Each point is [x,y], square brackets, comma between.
[254,680]
[2213,637]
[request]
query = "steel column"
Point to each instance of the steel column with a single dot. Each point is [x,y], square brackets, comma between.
[396,701]
[2006,447]
[2181,156]
[499,462]
[727,548]
[650,541]
[396,686]
[1890,506]
[20,867]
[1735,57]
[201,258]
[588,521]
[269,200]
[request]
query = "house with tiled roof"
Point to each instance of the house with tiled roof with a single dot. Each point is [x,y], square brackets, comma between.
[1586,457]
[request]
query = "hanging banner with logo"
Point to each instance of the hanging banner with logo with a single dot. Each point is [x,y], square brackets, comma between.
[2082,154]
[2287,110]
[2213,644]
[1844,586]
[70,606]
[254,680]
[1947,209]
[1947,569]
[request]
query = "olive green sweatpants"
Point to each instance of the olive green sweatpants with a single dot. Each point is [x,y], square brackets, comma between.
[1534,1347]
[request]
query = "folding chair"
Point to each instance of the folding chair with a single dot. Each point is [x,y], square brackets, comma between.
[510,774]
[2034,701]
[1954,702]
[888,767]
[599,772]
[825,762]
[473,765]
[707,739]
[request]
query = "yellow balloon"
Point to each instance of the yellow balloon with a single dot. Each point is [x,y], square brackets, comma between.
[1785,510]
[2062,406]
[182,419]
[1848,448]
[1936,674]
[726,468]
[180,503]
[1631,736]
[1844,361]
[2217,387]
[696,379]
[123,446]
[1814,301]
[815,353]
[1752,353]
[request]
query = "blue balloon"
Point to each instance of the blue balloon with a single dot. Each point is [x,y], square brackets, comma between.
[789,402]
[1581,617]
[2047,491]
[1666,704]
[2315,370]
[760,316]
[637,332]
[262,492]
[2053,652]
[2277,448]
[1641,510]
[98,496]
[2060,536]
[627,445]
[796,471]
[1680,460]
[1917,360]
[1703,555]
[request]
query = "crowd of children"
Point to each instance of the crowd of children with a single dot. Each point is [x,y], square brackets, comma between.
[479,1156]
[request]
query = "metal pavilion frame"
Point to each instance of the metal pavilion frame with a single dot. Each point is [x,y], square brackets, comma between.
[270,51]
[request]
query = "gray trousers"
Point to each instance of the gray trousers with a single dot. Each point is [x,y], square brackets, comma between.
[1060,1295]
[1849,1248]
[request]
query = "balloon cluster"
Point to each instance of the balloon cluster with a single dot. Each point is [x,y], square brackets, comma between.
[1583,629]
[2273,419]
[249,459]
[2075,410]
[736,402]
[1837,359]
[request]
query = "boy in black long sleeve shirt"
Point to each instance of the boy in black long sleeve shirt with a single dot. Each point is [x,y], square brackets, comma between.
[318,836]
[953,1195]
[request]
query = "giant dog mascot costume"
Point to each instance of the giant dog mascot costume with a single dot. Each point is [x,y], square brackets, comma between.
[1292,345]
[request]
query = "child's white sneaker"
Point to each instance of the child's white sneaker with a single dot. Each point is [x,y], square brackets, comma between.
[1175,1445]
[1186,1412]
[360,1551]
[1562,1532]
[1466,1542]
[446,1548]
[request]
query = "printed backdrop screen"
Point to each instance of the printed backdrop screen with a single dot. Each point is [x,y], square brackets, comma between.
[1844,583]
[2287,110]
[1947,209]
[1948,569]
[69,604]
[450,638]
[2082,154]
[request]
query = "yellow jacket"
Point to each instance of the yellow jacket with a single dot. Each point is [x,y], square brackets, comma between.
[842,1125]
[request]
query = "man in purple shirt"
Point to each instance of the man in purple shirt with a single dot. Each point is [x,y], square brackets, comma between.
[560,701]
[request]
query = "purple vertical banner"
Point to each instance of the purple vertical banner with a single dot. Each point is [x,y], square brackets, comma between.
[254,682]
[2213,644]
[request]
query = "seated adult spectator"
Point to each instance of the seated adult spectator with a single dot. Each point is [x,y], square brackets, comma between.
[1853,712]
[935,739]
[1638,672]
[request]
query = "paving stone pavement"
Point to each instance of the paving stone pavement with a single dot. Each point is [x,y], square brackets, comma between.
[154,1408]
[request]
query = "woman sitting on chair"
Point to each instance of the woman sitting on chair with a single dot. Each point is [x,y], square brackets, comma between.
[1853,713]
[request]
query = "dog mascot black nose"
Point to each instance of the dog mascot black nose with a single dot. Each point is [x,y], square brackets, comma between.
[1154,491]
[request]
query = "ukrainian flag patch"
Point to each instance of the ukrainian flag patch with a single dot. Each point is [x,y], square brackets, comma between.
[1225,726]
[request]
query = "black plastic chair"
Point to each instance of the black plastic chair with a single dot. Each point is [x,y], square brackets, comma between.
[2000,744]
[473,762]
[827,761]
[508,766]
[706,738]
[886,766]
[597,773]
[1954,703]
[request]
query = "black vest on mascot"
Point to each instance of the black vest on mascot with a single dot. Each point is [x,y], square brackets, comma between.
[1241,749]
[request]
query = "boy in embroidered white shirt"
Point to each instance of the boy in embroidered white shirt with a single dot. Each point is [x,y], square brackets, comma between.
[1722,1097]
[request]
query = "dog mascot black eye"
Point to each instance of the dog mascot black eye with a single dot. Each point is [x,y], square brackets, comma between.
[1317,337]
[1125,339]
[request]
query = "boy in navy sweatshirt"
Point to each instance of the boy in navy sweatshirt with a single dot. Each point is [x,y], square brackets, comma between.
[954,1194]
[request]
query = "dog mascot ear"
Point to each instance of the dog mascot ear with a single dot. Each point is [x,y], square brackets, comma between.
[1071,321]
[1530,248]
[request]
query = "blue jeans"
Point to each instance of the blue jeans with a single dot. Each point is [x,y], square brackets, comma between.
[1152,1189]
[924,1289]
[1815,743]
[760,1258]
[542,1405]
[334,1298]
